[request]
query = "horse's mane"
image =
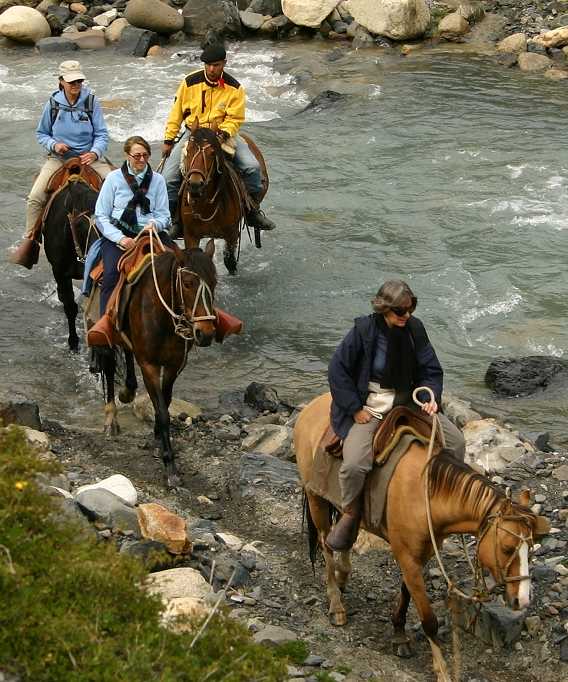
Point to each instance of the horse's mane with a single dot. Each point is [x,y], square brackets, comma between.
[451,477]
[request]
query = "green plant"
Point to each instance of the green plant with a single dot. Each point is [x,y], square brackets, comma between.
[74,610]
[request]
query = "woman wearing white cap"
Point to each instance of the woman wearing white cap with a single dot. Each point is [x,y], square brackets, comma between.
[71,125]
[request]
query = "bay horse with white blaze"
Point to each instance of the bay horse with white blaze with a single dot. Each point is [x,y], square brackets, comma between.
[170,310]
[212,200]
[461,501]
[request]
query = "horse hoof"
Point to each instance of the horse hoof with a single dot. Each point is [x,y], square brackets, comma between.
[338,619]
[126,395]
[402,649]
[112,430]
[73,345]
[230,263]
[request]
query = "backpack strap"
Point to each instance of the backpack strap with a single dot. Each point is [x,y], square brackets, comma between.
[89,106]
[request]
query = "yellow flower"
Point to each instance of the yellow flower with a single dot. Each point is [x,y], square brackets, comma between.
[21,485]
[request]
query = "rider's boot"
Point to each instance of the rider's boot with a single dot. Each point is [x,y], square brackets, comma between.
[256,217]
[27,253]
[102,332]
[176,230]
[343,535]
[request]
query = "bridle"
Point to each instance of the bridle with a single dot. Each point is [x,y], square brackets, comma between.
[73,218]
[184,326]
[492,522]
[191,170]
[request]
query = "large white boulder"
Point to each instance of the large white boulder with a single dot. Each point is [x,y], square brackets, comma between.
[153,15]
[117,484]
[308,12]
[396,19]
[24,25]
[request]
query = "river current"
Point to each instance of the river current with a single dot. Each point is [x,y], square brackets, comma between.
[445,170]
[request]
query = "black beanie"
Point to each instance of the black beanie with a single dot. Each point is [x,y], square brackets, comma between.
[214,52]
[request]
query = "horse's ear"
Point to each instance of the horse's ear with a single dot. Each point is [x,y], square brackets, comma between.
[525,497]
[194,125]
[179,255]
[215,125]
[210,248]
[541,526]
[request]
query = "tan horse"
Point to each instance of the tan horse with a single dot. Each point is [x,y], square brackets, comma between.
[213,200]
[462,501]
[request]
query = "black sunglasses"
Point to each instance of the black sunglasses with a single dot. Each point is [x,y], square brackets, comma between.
[401,311]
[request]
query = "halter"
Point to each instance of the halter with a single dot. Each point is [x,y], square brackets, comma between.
[183,326]
[206,178]
[493,521]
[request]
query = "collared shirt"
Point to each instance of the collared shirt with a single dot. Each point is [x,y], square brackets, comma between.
[115,195]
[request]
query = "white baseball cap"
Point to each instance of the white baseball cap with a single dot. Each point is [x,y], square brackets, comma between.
[71,71]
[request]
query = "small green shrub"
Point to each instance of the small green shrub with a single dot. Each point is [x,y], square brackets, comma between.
[295,652]
[73,610]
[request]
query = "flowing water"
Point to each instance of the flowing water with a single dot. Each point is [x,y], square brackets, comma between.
[445,170]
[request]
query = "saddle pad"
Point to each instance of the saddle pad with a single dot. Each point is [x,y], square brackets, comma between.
[138,269]
[325,480]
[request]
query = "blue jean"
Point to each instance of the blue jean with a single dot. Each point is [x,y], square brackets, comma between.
[245,162]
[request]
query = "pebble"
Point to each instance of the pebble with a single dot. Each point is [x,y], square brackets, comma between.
[313,661]
[533,624]
[540,498]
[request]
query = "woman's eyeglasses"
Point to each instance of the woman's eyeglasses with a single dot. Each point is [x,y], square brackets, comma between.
[139,157]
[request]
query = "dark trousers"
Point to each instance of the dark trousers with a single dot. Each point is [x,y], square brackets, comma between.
[111,254]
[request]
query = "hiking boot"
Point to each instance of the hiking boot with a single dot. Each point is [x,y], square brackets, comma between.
[27,253]
[101,333]
[256,218]
[343,535]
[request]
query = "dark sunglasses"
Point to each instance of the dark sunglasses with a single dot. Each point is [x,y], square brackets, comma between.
[138,157]
[401,311]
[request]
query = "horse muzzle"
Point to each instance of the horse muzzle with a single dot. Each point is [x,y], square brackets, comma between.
[196,187]
[204,336]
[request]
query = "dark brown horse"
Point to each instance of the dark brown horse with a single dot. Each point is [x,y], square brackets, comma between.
[461,501]
[68,232]
[212,197]
[170,310]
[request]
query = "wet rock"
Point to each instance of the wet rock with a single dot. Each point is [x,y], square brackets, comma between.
[278,25]
[24,25]
[525,375]
[273,635]
[458,411]
[256,469]
[20,411]
[60,11]
[323,101]
[540,440]
[529,61]
[219,16]
[453,25]
[153,554]
[136,42]
[117,484]
[87,40]
[262,397]
[252,20]
[158,523]
[56,45]
[495,625]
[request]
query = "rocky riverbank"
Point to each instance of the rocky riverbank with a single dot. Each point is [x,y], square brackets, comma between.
[532,35]
[241,508]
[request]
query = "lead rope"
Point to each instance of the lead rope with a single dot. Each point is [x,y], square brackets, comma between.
[452,589]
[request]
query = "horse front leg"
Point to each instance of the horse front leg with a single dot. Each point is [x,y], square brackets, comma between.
[151,375]
[67,298]
[107,361]
[128,392]
[412,575]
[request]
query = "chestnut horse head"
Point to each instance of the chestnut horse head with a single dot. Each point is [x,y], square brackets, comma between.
[204,161]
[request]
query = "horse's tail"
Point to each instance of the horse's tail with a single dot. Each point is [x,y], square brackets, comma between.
[313,543]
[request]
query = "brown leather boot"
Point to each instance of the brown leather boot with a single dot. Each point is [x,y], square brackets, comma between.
[27,254]
[343,535]
[101,333]
[226,324]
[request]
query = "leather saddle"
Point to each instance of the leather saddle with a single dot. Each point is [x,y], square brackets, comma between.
[399,420]
[74,169]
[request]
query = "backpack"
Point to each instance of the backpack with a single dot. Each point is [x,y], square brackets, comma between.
[55,106]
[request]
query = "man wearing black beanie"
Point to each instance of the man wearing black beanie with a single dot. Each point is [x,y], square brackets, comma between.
[212,95]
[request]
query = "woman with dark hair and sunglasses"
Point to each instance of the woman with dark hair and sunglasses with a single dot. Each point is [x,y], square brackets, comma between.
[384,357]
[132,197]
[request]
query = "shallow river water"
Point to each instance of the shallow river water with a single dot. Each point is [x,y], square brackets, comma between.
[445,170]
